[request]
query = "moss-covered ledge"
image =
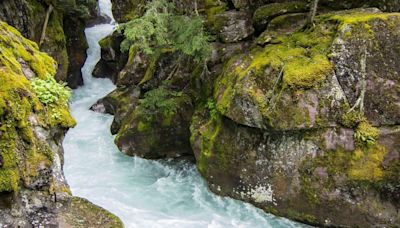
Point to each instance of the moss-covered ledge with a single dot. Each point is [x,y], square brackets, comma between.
[287,84]
[81,213]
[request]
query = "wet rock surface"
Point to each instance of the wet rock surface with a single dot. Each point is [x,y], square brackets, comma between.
[302,123]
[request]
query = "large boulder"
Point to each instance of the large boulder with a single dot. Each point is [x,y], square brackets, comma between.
[317,177]
[264,14]
[306,127]
[112,59]
[233,26]
[158,127]
[152,118]
[372,41]
[125,10]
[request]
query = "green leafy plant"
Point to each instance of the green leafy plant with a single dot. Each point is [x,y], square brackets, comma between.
[366,133]
[49,91]
[161,29]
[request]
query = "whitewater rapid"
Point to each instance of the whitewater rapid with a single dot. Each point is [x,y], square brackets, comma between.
[142,193]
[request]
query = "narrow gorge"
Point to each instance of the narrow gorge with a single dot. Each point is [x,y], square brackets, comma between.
[226,113]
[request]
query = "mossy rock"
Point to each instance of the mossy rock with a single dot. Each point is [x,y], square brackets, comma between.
[287,84]
[294,174]
[112,59]
[158,127]
[286,139]
[125,10]
[233,26]
[283,85]
[287,23]
[264,14]
[375,33]
[79,212]
[24,152]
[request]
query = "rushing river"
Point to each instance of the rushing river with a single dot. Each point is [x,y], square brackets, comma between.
[142,193]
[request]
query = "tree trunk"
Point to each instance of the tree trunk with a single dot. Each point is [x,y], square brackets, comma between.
[46,21]
[313,12]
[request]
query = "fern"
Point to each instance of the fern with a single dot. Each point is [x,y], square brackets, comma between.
[189,38]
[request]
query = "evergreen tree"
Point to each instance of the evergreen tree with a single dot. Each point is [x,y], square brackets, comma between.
[160,28]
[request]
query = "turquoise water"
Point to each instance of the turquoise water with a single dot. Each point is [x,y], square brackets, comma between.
[142,193]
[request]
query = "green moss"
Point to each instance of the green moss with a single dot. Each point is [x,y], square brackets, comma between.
[143,126]
[20,148]
[8,180]
[310,219]
[361,17]
[303,59]
[366,165]
[59,115]
[151,69]
[208,135]
[14,46]
[13,122]
[363,166]
[207,128]
[352,119]
[390,184]
[106,42]
[306,72]
[133,9]
[132,53]
[82,213]
[212,12]
[304,56]
[37,157]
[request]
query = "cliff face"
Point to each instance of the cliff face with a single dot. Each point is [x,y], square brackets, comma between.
[64,40]
[301,122]
[34,117]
